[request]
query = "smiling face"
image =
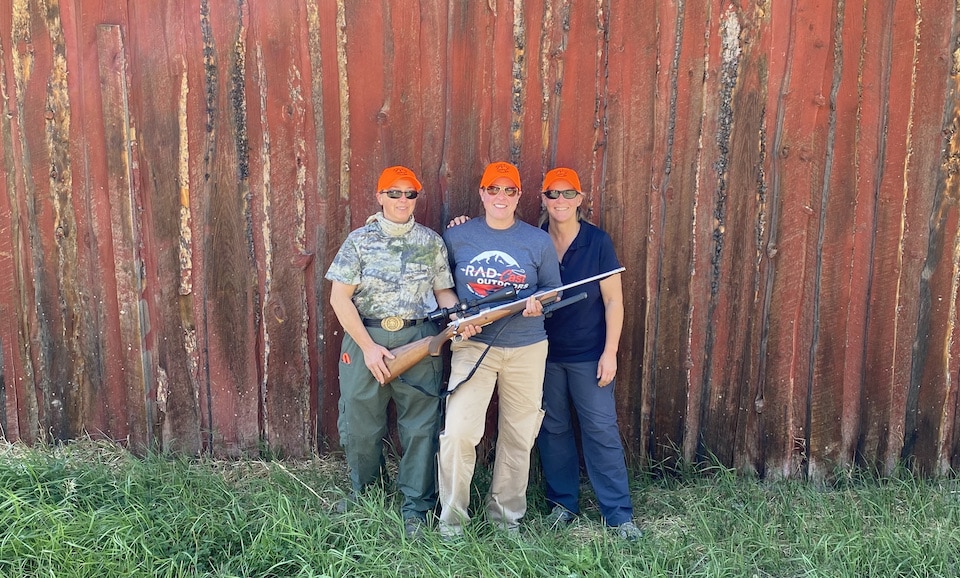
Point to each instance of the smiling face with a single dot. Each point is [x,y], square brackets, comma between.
[562,209]
[398,210]
[497,204]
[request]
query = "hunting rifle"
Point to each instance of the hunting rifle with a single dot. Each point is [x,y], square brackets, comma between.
[406,356]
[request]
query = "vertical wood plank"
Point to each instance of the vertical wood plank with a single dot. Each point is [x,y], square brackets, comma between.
[931,227]
[888,340]
[729,217]
[332,212]
[14,347]
[102,383]
[125,229]
[277,128]
[842,281]
[225,296]
[797,127]
[49,249]
[624,203]
[166,107]
[672,390]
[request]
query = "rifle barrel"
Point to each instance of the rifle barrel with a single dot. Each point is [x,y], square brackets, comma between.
[552,292]
[406,356]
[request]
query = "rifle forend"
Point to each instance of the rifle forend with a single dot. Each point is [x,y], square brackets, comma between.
[406,356]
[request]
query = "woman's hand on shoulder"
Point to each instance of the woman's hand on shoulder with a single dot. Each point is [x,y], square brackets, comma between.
[457,221]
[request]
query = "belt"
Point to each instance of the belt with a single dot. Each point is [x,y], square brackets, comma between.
[392,323]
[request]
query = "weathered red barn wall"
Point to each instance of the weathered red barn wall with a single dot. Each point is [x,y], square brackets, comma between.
[780,180]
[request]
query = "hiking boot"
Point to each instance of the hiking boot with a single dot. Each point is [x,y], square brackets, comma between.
[513,533]
[628,531]
[509,530]
[559,517]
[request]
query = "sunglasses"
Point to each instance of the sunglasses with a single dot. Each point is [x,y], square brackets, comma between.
[395,194]
[567,194]
[494,190]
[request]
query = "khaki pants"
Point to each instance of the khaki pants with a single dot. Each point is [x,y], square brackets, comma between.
[518,371]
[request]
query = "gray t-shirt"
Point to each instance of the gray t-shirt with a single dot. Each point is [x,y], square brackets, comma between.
[394,275]
[485,260]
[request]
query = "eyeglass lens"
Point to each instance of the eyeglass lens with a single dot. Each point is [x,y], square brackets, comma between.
[395,194]
[494,190]
[567,194]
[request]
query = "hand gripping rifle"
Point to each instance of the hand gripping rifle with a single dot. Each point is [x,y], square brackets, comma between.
[406,356]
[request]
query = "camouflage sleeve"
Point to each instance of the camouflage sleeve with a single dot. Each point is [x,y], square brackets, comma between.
[444,278]
[345,267]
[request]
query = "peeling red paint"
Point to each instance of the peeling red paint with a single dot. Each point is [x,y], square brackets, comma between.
[779,180]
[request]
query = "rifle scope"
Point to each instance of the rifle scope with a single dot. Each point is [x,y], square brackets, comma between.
[508,292]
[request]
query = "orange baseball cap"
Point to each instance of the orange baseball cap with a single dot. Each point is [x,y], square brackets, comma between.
[391,175]
[561,174]
[500,169]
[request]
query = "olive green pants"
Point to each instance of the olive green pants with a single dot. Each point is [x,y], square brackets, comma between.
[363,419]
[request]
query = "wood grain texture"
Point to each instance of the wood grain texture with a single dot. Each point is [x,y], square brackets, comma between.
[277,97]
[160,87]
[779,180]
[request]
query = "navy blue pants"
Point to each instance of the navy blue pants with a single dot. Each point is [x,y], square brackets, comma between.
[574,385]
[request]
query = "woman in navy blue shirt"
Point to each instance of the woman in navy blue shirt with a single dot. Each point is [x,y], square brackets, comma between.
[581,366]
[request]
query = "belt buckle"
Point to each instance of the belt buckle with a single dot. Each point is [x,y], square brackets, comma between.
[392,323]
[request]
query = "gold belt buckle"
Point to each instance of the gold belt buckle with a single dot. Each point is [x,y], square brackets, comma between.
[392,323]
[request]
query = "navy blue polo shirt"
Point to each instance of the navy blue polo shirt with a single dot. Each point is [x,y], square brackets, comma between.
[577,332]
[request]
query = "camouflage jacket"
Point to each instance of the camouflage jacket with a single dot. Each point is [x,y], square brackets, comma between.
[394,275]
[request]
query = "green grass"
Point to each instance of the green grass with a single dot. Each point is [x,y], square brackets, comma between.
[90,509]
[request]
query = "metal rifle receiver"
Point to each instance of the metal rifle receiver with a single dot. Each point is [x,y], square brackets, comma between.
[508,292]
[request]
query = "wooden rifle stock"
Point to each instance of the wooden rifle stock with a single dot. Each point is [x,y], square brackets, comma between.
[406,356]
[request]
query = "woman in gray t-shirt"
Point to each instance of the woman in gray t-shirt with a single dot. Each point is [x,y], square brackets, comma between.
[487,254]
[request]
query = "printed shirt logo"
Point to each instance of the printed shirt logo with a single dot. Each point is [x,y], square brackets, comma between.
[492,270]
